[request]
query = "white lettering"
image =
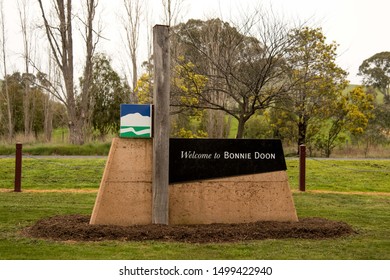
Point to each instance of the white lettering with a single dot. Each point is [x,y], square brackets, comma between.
[264,155]
[228,155]
[194,155]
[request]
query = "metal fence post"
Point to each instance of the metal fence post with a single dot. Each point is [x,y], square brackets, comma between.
[18,168]
[302,168]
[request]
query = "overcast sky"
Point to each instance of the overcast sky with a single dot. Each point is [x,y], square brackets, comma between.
[360,27]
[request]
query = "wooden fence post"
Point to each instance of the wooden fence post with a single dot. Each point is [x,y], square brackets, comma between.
[302,168]
[161,93]
[18,168]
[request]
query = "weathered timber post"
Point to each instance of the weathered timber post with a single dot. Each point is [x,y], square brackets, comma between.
[302,168]
[18,168]
[161,93]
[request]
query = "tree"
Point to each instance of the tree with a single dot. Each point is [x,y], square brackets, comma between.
[187,120]
[16,89]
[131,24]
[49,86]
[316,80]
[172,9]
[90,43]
[376,73]
[13,85]
[244,71]
[379,127]
[59,33]
[5,89]
[28,109]
[108,91]
[144,89]
[351,112]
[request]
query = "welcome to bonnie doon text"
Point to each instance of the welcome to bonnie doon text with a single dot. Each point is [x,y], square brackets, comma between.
[226,155]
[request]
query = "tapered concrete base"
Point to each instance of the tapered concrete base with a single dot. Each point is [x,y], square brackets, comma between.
[125,194]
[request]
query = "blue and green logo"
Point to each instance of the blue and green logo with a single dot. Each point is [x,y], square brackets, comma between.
[136,121]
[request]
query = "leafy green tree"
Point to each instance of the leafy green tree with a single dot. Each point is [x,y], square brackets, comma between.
[107,92]
[378,129]
[185,119]
[316,80]
[15,94]
[144,89]
[39,104]
[282,122]
[350,113]
[376,73]
[258,127]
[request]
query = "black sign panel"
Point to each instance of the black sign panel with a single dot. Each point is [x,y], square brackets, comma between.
[199,159]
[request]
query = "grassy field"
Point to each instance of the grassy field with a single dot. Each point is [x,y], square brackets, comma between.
[52,173]
[358,205]
[85,173]
[343,175]
[59,149]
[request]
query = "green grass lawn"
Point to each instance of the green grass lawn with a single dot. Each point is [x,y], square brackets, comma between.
[369,215]
[51,173]
[58,149]
[78,173]
[342,175]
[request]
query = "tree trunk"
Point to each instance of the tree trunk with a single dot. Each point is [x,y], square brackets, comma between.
[48,121]
[131,24]
[76,135]
[27,110]
[8,100]
[240,128]
[9,113]
[86,100]
[62,49]
[135,76]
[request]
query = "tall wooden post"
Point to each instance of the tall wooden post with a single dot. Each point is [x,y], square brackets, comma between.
[302,168]
[161,93]
[18,168]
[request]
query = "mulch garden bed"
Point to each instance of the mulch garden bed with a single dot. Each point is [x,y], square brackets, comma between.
[77,228]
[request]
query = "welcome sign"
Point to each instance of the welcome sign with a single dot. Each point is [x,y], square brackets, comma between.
[136,121]
[200,159]
[135,189]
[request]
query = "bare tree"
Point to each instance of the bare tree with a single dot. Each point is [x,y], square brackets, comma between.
[215,122]
[131,24]
[172,9]
[47,84]
[27,100]
[59,33]
[10,124]
[86,99]
[243,63]
[48,118]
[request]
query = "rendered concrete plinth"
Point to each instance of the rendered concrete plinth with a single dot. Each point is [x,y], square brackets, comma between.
[241,199]
[125,193]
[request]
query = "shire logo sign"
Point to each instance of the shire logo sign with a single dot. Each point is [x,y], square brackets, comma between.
[200,159]
[136,121]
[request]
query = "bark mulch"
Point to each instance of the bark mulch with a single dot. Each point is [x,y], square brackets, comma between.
[77,228]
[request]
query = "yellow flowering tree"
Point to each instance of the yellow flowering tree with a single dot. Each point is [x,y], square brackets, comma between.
[350,113]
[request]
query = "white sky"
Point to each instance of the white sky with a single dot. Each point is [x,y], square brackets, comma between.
[360,27]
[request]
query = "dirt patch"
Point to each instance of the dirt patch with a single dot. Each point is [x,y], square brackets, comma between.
[77,228]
